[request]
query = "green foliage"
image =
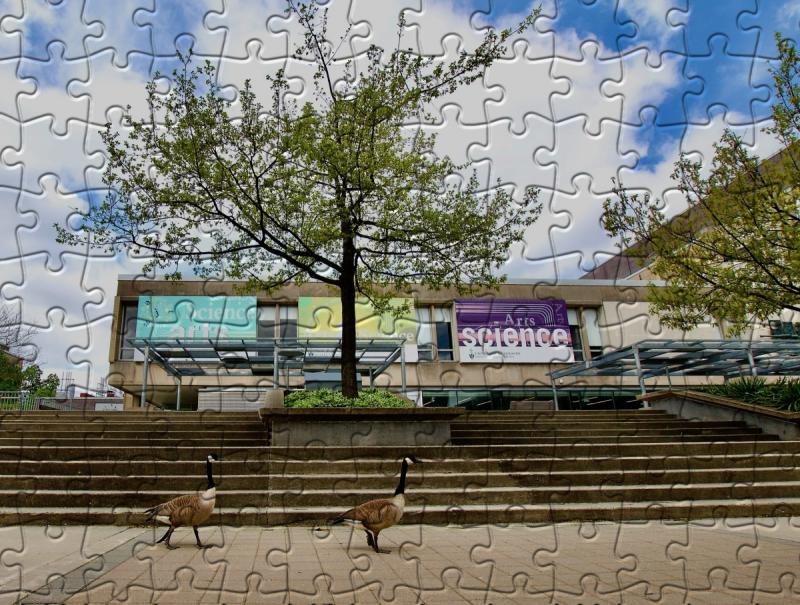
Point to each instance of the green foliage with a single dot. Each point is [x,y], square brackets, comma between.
[10,373]
[29,379]
[735,254]
[783,394]
[328,398]
[343,190]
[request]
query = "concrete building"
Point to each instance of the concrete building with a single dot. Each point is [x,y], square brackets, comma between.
[483,350]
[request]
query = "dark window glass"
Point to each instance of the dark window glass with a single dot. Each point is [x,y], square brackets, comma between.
[266,321]
[577,343]
[288,323]
[444,340]
[127,330]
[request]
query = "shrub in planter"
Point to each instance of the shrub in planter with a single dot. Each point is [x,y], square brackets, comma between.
[783,394]
[328,398]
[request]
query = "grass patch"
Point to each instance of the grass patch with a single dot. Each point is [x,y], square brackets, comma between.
[784,394]
[328,398]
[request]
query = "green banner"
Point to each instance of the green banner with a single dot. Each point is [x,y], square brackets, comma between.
[186,317]
[321,317]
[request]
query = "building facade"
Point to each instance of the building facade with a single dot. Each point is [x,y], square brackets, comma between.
[179,342]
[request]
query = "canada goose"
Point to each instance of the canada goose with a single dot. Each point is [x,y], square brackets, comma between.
[191,509]
[377,515]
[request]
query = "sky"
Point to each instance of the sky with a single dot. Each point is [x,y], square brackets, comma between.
[597,90]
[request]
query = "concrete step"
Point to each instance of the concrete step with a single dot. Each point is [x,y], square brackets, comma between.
[608,464]
[464,479]
[621,431]
[589,424]
[139,427]
[134,435]
[463,514]
[137,452]
[388,467]
[461,480]
[519,451]
[729,444]
[138,483]
[609,440]
[258,496]
[209,442]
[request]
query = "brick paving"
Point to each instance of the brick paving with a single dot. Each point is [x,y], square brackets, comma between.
[722,561]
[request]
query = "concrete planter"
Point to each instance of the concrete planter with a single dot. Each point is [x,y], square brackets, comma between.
[694,405]
[359,426]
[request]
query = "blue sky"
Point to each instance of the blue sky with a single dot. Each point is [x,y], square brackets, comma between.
[599,89]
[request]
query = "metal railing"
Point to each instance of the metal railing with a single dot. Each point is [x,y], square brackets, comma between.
[23,401]
[17,400]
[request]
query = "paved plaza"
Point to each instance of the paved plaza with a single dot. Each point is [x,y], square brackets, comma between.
[722,561]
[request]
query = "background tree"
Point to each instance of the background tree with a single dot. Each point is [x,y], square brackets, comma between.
[734,255]
[338,190]
[17,372]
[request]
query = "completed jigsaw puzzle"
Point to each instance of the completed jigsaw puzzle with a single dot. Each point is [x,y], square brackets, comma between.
[399,301]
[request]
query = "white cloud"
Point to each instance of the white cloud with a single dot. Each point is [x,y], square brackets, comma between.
[534,119]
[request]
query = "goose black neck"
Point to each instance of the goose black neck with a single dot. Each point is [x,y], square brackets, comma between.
[210,477]
[401,487]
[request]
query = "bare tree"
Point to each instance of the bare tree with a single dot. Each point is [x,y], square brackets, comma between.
[15,336]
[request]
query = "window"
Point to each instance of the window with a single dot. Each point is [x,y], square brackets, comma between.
[444,338]
[434,339]
[784,329]
[266,321]
[591,325]
[424,334]
[575,333]
[288,321]
[127,330]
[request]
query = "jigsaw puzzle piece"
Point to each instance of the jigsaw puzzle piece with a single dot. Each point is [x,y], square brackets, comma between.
[517,78]
[436,21]
[656,27]
[10,41]
[18,87]
[108,87]
[123,35]
[599,151]
[232,74]
[576,217]
[768,18]
[706,20]
[53,78]
[241,22]
[182,26]
[644,85]
[383,30]
[43,152]
[720,71]
[40,23]
[574,23]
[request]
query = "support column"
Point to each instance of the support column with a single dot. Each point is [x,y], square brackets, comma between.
[403,368]
[639,372]
[555,393]
[751,360]
[143,398]
[275,356]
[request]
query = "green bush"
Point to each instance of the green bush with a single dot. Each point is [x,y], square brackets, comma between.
[783,394]
[328,398]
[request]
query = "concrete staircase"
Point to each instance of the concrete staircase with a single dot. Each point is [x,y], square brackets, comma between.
[502,467]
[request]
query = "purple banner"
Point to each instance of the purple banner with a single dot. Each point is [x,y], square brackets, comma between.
[517,331]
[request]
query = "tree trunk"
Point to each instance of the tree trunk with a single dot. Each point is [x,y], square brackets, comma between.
[347,290]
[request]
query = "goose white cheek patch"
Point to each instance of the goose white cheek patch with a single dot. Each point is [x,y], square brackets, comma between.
[535,472]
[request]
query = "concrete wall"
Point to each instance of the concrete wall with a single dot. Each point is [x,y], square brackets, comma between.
[699,406]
